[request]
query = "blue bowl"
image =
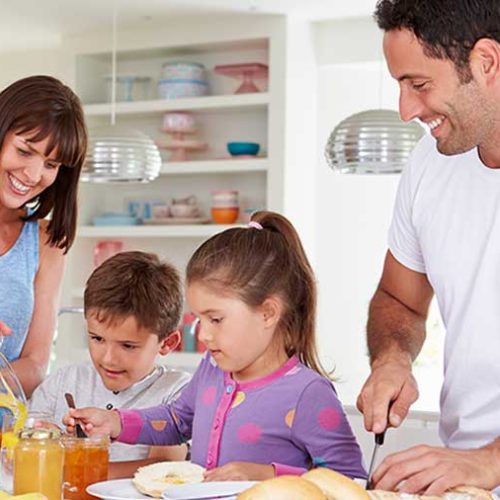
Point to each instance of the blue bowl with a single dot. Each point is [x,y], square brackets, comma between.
[243,148]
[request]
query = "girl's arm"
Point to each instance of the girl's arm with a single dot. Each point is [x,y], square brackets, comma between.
[32,363]
[320,427]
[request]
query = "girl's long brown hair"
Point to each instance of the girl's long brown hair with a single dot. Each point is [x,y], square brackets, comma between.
[45,107]
[254,264]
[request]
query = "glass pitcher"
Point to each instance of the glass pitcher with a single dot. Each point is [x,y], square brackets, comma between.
[12,397]
[13,412]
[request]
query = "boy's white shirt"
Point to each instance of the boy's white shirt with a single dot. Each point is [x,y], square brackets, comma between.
[161,386]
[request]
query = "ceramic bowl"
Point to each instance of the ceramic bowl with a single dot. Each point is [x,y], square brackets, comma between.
[243,148]
[181,210]
[225,199]
[178,121]
[226,215]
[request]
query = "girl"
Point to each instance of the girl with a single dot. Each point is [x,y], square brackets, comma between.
[260,403]
[43,140]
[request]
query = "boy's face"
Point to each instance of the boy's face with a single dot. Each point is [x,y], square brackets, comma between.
[122,352]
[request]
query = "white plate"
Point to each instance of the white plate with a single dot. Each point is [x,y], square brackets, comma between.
[116,489]
[210,490]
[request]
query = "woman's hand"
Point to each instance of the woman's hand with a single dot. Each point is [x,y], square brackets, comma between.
[240,471]
[4,330]
[94,421]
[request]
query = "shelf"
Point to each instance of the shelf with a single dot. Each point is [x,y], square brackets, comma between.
[209,103]
[229,166]
[173,231]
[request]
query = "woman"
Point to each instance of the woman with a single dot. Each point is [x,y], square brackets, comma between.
[43,140]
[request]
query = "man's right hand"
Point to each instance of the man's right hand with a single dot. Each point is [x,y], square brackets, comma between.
[387,395]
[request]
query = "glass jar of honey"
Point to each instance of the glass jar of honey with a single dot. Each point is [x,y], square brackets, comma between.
[85,462]
[38,463]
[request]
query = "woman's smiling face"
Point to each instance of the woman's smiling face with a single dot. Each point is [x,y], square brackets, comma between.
[26,168]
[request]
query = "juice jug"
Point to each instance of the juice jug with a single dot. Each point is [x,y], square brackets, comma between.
[38,462]
[85,462]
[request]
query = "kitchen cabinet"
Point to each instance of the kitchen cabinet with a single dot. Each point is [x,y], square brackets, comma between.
[222,117]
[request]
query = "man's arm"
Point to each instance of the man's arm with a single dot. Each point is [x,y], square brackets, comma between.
[396,333]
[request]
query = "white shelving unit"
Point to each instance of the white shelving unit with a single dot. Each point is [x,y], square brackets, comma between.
[152,231]
[199,104]
[221,117]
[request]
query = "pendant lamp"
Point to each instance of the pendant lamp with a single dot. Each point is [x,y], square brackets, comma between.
[376,141]
[118,154]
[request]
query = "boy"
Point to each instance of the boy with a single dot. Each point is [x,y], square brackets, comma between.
[132,305]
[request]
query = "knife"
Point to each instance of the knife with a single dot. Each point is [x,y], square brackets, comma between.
[379,441]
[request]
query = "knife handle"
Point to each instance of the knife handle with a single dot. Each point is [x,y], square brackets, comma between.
[379,438]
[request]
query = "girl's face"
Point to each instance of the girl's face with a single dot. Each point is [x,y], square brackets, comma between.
[241,339]
[25,169]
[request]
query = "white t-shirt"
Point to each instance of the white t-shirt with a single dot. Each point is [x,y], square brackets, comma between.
[83,381]
[446,224]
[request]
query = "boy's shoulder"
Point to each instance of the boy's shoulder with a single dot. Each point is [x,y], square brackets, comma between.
[83,372]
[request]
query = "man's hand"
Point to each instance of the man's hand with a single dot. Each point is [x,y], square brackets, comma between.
[432,470]
[390,385]
[94,421]
[240,471]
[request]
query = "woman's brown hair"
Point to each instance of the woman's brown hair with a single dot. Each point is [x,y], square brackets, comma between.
[46,107]
[253,264]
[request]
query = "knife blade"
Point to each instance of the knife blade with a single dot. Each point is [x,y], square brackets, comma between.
[379,441]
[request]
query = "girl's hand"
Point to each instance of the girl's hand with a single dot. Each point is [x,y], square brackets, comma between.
[240,471]
[94,421]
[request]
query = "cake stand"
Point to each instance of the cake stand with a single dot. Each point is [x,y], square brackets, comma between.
[180,146]
[247,72]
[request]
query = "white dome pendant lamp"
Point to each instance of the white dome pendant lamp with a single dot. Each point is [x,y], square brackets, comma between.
[117,154]
[376,141]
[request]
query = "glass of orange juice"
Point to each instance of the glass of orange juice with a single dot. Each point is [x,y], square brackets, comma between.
[85,462]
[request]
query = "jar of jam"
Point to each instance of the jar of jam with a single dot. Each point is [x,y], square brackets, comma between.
[85,462]
[38,463]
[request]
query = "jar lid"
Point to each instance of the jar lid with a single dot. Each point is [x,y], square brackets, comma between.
[40,433]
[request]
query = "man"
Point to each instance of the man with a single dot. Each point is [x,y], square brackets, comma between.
[444,239]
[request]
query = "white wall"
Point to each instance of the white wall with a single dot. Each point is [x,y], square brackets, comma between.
[353,213]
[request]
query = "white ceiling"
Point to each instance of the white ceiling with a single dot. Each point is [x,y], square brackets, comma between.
[42,23]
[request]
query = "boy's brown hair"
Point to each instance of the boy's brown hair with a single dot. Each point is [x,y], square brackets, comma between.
[136,284]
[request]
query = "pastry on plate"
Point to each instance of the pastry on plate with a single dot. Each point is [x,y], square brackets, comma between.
[331,485]
[153,479]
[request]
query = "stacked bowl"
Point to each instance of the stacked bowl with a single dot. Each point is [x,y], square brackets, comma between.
[182,79]
[225,206]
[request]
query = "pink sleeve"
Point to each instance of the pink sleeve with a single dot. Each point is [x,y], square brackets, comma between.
[282,470]
[131,426]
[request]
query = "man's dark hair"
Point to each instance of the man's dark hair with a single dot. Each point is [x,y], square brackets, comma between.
[447,29]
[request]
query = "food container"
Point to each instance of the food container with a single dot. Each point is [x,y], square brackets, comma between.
[173,89]
[130,87]
[38,462]
[86,462]
[182,70]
